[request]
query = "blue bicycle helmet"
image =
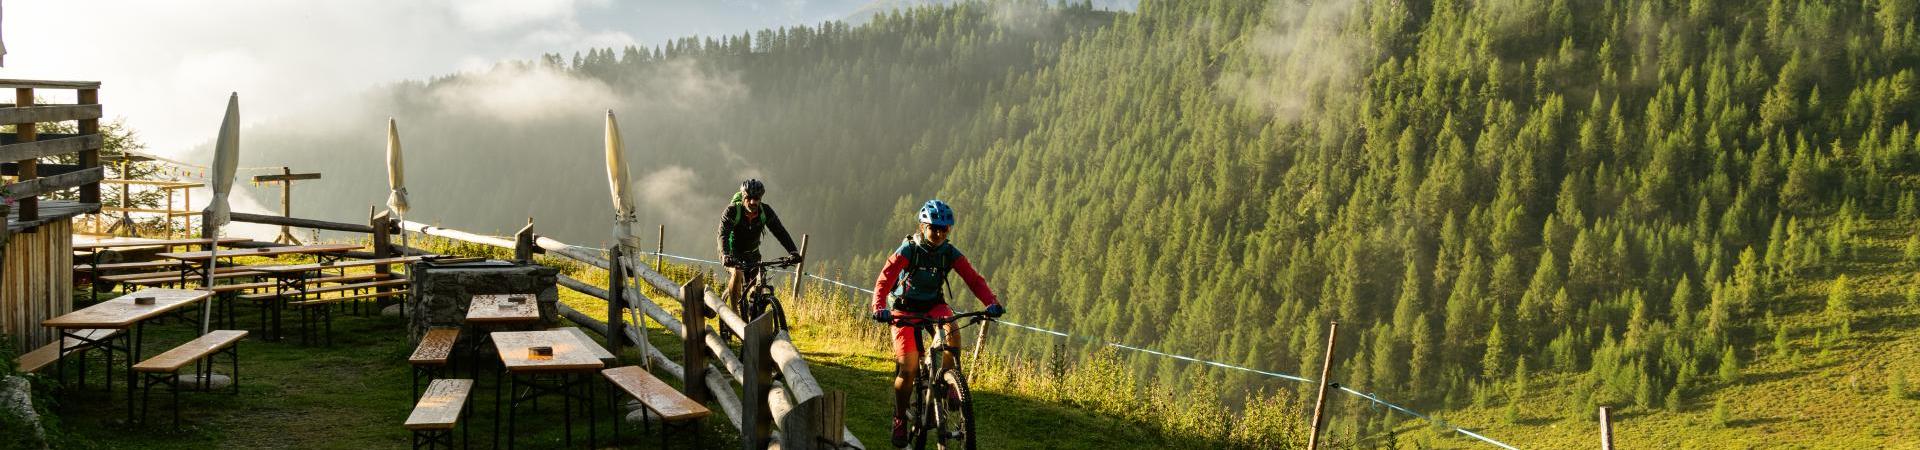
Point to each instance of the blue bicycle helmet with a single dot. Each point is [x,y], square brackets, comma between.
[936,212]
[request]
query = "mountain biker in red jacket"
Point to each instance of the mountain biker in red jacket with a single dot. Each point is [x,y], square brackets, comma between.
[913,279]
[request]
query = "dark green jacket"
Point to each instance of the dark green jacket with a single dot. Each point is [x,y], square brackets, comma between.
[740,235]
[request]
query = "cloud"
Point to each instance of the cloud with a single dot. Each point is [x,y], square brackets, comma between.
[1305,55]
[519,93]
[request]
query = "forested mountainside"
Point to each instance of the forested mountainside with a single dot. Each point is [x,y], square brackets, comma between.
[1637,194]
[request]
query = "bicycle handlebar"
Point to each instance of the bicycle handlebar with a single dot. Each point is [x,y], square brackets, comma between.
[901,318]
[781,262]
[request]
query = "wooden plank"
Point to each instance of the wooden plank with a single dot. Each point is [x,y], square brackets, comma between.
[121,312]
[435,347]
[339,264]
[656,395]
[288,177]
[493,309]
[439,408]
[136,242]
[161,184]
[568,355]
[125,266]
[49,113]
[45,145]
[9,83]
[269,251]
[175,275]
[169,213]
[301,223]
[47,185]
[177,357]
[46,355]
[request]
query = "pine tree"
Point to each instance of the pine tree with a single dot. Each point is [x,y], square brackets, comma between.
[1729,367]
[1840,300]
[1494,361]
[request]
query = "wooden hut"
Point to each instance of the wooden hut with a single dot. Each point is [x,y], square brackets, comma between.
[36,268]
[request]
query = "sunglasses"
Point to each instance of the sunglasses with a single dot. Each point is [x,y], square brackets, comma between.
[938,228]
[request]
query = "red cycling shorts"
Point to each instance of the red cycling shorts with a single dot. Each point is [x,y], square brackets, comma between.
[904,337]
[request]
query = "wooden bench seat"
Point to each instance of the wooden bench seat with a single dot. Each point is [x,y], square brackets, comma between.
[164,368]
[173,275]
[193,350]
[430,358]
[48,354]
[660,399]
[656,395]
[323,290]
[138,265]
[195,279]
[269,284]
[436,414]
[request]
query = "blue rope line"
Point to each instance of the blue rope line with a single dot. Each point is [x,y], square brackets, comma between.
[1369,397]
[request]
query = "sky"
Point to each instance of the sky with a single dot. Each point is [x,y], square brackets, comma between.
[166,67]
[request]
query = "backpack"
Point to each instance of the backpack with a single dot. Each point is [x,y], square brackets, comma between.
[923,282]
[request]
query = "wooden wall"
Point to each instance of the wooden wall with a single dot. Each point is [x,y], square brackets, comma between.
[36,282]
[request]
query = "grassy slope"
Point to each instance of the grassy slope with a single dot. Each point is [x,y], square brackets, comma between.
[1812,396]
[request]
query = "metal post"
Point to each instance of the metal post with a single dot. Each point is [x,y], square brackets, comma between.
[1320,402]
[1606,428]
[800,271]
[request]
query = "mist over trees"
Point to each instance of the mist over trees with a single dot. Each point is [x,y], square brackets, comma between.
[1479,192]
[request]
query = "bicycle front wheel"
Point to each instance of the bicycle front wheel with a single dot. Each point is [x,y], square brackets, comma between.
[956,426]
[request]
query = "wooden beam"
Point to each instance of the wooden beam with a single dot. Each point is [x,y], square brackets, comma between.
[46,185]
[49,84]
[90,156]
[48,145]
[27,208]
[51,113]
[150,211]
[301,223]
[160,184]
[285,177]
[41,169]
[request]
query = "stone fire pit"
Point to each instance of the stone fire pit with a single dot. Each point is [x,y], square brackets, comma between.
[441,292]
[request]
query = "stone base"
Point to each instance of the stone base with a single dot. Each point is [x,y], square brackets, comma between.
[16,403]
[392,310]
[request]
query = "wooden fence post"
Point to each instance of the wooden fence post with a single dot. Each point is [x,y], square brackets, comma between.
[756,415]
[1320,402]
[28,208]
[382,247]
[523,243]
[660,249]
[694,350]
[800,271]
[90,156]
[616,298]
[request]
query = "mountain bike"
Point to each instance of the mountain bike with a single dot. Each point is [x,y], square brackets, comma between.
[940,407]
[757,296]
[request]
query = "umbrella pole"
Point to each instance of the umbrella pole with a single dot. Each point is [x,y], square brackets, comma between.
[213,262]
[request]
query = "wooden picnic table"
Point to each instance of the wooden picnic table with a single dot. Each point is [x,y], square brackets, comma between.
[125,314]
[503,309]
[196,263]
[573,365]
[92,250]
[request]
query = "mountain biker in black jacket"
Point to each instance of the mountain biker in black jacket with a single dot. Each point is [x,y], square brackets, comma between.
[740,227]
